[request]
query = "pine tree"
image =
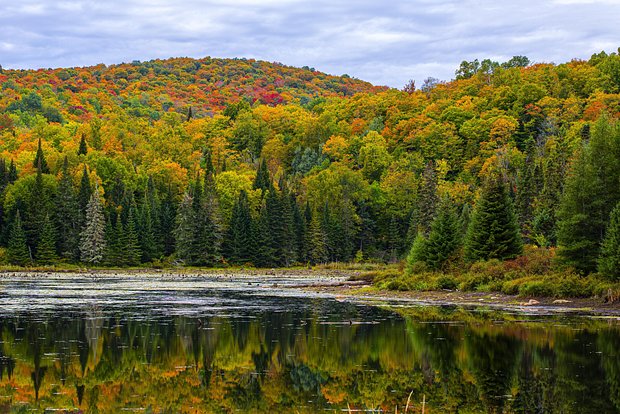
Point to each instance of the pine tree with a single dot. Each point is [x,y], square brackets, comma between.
[82,150]
[590,193]
[299,230]
[36,210]
[262,180]
[184,230]
[166,224]
[114,242]
[148,244]
[84,195]
[426,201]
[444,238]
[263,254]
[493,231]
[417,253]
[17,251]
[92,238]
[67,215]
[317,246]
[609,260]
[131,244]
[12,177]
[46,248]
[39,160]
[238,236]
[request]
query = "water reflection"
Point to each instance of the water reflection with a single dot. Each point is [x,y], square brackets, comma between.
[282,354]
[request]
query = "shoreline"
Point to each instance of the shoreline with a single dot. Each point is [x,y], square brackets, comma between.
[343,284]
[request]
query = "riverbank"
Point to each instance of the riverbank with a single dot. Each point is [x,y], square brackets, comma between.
[352,285]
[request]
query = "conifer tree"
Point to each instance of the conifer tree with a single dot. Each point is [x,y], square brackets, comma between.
[92,238]
[184,230]
[114,242]
[84,195]
[317,246]
[263,254]
[166,223]
[46,248]
[17,251]
[590,193]
[239,237]
[277,228]
[36,210]
[67,215]
[444,238]
[148,244]
[131,244]
[609,260]
[82,150]
[493,231]
[426,201]
[417,253]
[299,230]
[12,175]
[262,180]
[39,160]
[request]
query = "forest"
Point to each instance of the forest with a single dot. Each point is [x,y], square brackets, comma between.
[498,179]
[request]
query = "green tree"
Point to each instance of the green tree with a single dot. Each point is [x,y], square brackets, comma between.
[17,251]
[239,237]
[426,201]
[67,215]
[39,160]
[184,230]
[317,241]
[82,150]
[609,260]
[417,253]
[262,180]
[444,238]
[590,193]
[131,243]
[92,237]
[46,248]
[493,231]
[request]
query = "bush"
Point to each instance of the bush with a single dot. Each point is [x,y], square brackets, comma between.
[536,288]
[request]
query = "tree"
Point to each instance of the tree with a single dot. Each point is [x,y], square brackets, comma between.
[39,160]
[92,238]
[590,193]
[444,238]
[417,253]
[17,251]
[426,201]
[184,230]
[609,260]
[131,244]
[82,150]
[317,244]
[84,195]
[493,231]
[238,236]
[46,248]
[262,180]
[67,215]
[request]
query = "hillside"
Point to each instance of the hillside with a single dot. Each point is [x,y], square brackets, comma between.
[339,170]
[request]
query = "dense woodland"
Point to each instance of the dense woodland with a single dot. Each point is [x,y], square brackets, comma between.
[217,162]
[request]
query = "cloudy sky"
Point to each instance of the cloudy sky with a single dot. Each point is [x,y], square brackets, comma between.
[386,42]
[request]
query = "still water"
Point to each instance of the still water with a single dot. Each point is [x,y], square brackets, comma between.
[223,345]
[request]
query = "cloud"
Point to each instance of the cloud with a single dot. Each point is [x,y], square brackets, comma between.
[382,43]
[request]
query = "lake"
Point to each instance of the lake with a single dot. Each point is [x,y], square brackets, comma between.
[113,344]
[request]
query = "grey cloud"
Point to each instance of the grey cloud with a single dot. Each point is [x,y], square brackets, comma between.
[385,43]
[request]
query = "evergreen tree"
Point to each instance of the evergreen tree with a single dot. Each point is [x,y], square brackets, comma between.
[92,238]
[46,248]
[444,238]
[317,246]
[493,231]
[207,234]
[132,250]
[609,260]
[82,150]
[262,180]
[12,177]
[426,201]
[299,230]
[17,251]
[239,237]
[590,193]
[148,244]
[166,224]
[184,230]
[394,239]
[417,253]
[277,227]
[84,195]
[114,242]
[36,210]
[39,160]
[67,215]
[263,254]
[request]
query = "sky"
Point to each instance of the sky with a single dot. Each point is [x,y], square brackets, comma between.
[385,42]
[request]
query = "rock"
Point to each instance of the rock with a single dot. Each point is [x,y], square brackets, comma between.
[530,302]
[558,301]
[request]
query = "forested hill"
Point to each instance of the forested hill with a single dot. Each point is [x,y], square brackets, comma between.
[191,160]
[149,89]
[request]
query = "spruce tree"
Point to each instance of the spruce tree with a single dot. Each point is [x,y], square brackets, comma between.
[39,160]
[263,254]
[262,180]
[299,230]
[36,211]
[131,244]
[609,260]
[148,245]
[238,237]
[84,195]
[317,246]
[67,215]
[17,251]
[166,223]
[425,202]
[114,242]
[82,150]
[444,238]
[493,231]
[92,238]
[12,175]
[184,230]
[46,248]
[417,253]
[590,193]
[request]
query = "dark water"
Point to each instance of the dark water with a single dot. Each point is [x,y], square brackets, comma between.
[202,345]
